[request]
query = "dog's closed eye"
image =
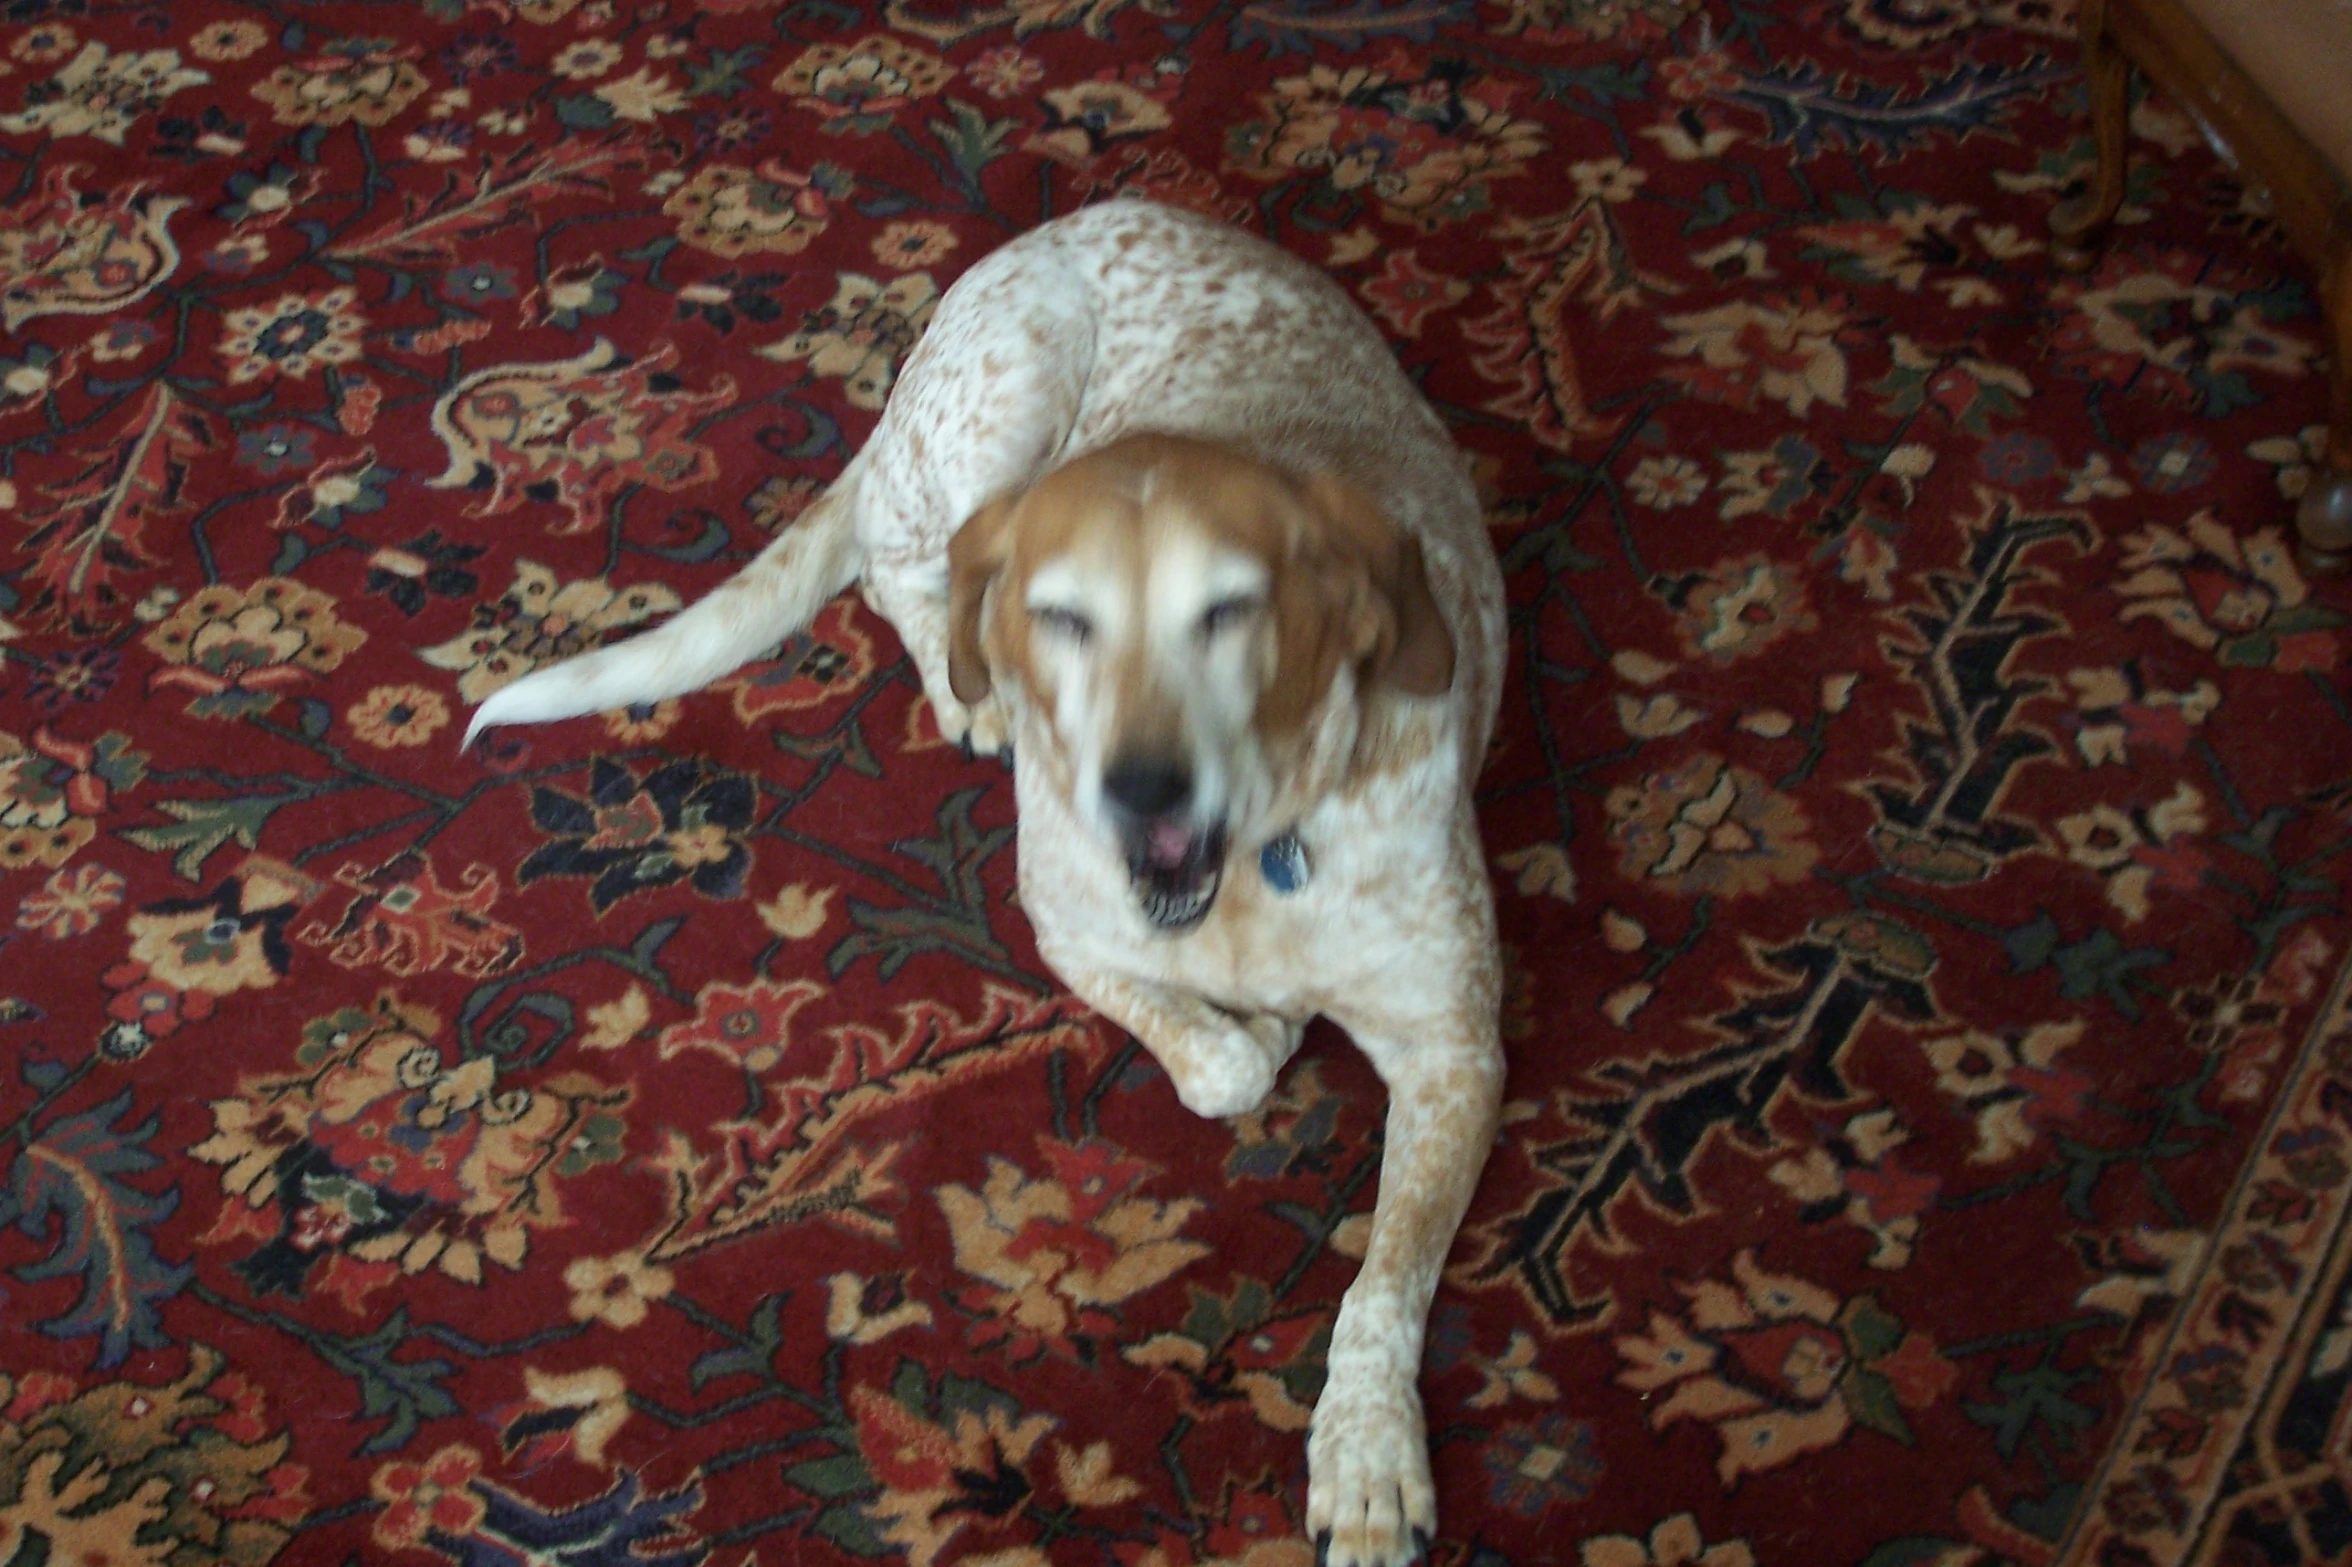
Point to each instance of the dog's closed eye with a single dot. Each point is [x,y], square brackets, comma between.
[1227,614]
[1067,624]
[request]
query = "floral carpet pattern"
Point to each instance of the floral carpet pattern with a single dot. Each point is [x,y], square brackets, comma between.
[1920,814]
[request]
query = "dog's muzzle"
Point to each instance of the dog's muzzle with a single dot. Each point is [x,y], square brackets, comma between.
[1177,871]
[1176,861]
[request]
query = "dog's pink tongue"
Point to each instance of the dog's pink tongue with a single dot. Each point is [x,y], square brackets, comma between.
[1166,845]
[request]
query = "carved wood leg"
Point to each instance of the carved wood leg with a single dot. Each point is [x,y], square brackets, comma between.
[2079,225]
[2324,520]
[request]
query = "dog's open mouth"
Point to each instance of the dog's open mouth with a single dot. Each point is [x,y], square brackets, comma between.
[1177,871]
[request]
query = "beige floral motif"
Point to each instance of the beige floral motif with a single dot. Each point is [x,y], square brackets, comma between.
[437,1496]
[2014,1086]
[1864,1184]
[731,211]
[101,94]
[1783,349]
[1055,1254]
[799,911]
[2297,457]
[860,1310]
[292,335]
[1658,716]
[71,902]
[1424,147]
[927,1468]
[643,96]
[1083,119]
[1741,607]
[2239,598]
[228,40]
[1674,1543]
[2139,850]
[575,431]
[140,1474]
[2143,1269]
[1899,247]
[398,717]
[239,648]
[1694,135]
[66,251]
[865,334]
[904,246]
[1607,179]
[585,59]
[1005,73]
[2160,322]
[418,1161]
[870,79]
[1511,1374]
[2116,708]
[1541,869]
[371,87]
[537,621]
[616,1291]
[1710,827]
[53,791]
[218,945]
[1780,1367]
[1092,16]
[1663,483]
[46,44]
[1774,481]
[599,1393]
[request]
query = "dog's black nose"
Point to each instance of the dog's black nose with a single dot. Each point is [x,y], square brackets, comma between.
[1145,789]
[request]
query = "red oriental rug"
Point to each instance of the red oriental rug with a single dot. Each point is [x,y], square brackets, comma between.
[1920,815]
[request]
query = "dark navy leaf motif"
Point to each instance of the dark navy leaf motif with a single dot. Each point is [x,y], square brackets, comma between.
[1810,110]
[67,1186]
[625,1527]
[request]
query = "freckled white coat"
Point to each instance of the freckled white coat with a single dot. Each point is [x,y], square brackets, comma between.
[1126,318]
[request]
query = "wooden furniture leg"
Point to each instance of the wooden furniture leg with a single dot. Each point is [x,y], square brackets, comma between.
[2235,98]
[2079,226]
[2324,519]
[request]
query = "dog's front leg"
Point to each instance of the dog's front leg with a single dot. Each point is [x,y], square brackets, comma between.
[1221,1064]
[1370,1499]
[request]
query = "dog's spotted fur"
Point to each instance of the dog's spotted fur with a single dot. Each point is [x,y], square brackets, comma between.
[1188,387]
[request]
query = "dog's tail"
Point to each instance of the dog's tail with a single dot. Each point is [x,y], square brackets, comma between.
[778,594]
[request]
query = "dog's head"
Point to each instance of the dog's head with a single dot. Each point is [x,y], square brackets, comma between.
[1175,622]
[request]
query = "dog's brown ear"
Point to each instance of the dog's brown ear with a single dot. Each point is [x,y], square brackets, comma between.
[974,557]
[1399,637]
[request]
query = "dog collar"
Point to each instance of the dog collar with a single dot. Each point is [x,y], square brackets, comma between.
[1283,863]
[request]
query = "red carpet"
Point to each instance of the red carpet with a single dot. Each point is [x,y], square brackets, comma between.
[1920,814]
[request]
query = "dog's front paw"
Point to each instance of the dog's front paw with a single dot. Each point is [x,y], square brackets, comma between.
[1370,1500]
[1227,1072]
[1279,1037]
[980,729]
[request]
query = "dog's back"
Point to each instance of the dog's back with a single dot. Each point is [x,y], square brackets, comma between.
[1119,319]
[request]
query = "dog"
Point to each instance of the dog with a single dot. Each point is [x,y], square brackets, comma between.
[1153,503]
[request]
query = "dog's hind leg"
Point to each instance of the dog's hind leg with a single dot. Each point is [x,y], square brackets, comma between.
[916,604]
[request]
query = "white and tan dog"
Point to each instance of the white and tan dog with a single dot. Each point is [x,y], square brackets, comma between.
[1153,500]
